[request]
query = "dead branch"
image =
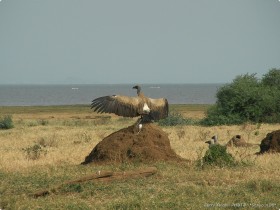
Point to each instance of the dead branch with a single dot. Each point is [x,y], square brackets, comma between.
[102,176]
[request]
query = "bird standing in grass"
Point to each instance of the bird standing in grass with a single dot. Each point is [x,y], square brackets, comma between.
[217,154]
[212,141]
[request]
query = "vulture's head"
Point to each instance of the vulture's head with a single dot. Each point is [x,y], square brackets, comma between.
[137,87]
[210,142]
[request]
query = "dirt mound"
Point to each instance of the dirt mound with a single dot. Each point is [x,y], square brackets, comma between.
[237,141]
[150,144]
[271,143]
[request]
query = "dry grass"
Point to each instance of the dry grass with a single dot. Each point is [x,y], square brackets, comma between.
[68,135]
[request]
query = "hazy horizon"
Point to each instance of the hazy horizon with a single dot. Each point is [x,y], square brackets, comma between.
[28,95]
[213,83]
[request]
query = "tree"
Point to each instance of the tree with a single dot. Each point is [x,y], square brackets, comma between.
[247,99]
[272,78]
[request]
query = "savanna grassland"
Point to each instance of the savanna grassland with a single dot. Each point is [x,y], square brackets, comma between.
[47,145]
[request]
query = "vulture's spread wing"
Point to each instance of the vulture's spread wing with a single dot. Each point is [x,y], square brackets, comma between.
[159,108]
[120,105]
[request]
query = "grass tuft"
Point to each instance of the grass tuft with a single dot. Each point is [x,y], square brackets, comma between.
[34,152]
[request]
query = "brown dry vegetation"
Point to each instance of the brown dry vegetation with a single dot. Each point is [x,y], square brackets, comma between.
[67,134]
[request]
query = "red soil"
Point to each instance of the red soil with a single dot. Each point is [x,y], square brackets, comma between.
[125,145]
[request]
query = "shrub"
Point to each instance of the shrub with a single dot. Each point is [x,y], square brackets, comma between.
[217,155]
[247,99]
[175,118]
[6,122]
[34,152]
[215,117]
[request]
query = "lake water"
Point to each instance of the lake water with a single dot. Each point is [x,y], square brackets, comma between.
[29,95]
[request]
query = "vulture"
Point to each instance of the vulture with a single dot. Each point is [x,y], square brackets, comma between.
[147,108]
[213,141]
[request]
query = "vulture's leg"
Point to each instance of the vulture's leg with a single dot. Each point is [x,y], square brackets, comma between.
[138,125]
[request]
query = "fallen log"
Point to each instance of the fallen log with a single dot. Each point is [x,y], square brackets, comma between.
[106,176]
[131,174]
[96,176]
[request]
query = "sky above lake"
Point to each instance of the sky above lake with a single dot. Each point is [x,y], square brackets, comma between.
[129,41]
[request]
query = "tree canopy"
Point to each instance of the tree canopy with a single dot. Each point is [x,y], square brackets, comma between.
[247,98]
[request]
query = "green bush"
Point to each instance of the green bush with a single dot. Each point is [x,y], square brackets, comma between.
[175,118]
[247,98]
[6,122]
[217,155]
[214,117]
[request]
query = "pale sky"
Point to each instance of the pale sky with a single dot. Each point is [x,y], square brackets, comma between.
[144,41]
